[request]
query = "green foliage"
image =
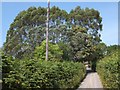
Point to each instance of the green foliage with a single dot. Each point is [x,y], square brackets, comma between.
[54,51]
[99,51]
[1,52]
[112,48]
[84,35]
[7,66]
[67,54]
[79,29]
[32,74]
[108,69]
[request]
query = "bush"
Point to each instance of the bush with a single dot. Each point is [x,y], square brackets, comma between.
[41,74]
[107,68]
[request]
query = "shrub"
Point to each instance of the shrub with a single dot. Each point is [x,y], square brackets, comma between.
[107,68]
[41,74]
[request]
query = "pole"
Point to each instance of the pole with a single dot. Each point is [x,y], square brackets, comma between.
[47,29]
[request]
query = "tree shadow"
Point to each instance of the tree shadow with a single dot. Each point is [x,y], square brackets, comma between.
[89,70]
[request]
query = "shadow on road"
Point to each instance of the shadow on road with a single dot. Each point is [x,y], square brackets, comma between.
[89,70]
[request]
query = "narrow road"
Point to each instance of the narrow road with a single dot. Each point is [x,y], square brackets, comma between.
[92,80]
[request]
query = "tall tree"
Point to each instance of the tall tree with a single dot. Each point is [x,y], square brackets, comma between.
[78,29]
[26,32]
[85,25]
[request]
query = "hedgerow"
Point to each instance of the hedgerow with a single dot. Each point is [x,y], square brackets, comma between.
[108,70]
[32,74]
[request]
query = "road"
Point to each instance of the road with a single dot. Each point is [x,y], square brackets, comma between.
[92,81]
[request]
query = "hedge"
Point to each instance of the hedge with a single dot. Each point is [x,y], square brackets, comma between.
[32,74]
[108,70]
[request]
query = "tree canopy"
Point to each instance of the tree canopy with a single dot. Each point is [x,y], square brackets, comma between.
[79,29]
[54,52]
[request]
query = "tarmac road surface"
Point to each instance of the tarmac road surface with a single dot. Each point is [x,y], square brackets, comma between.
[92,80]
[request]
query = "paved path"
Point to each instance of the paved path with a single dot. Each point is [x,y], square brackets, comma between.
[92,81]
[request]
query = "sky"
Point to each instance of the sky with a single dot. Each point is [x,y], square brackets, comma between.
[108,11]
[60,0]
[118,23]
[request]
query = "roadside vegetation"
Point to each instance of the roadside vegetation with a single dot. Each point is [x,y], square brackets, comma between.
[33,74]
[108,68]
[74,38]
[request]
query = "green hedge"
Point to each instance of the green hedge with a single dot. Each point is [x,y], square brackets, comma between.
[42,74]
[108,70]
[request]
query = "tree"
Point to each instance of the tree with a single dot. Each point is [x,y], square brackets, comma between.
[112,48]
[28,31]
[85,25]
[67,54]
[1,52]
[55,53]
[25,32]
[7,66]
[100,52]
[78,29]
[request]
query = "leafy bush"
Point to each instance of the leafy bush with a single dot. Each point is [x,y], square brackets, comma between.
[108,70]
[54,51]
[31,74]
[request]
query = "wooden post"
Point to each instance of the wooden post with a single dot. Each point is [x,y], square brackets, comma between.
[47,28]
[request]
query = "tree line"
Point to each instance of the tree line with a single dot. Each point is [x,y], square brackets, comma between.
[76,33]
